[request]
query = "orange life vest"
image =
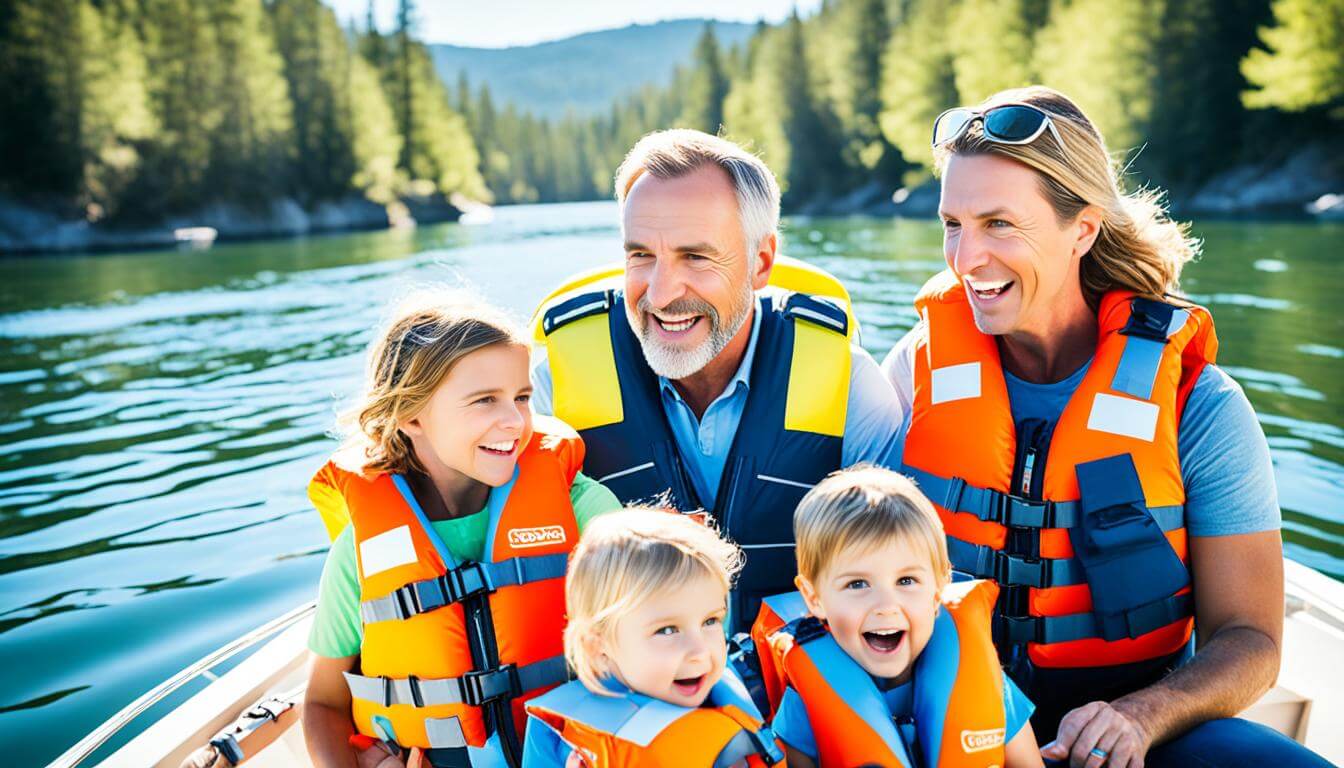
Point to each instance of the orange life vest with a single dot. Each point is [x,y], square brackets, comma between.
[631,729]
[959,717]
[1091,551]
[452,650]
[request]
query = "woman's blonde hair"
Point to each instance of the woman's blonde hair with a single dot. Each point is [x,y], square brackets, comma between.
[1139,248]
[866,506]
[623,560]
[426,335]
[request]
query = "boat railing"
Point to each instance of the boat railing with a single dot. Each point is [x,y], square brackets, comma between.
[87,745]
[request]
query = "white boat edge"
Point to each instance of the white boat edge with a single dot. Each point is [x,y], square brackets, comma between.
[1306,704]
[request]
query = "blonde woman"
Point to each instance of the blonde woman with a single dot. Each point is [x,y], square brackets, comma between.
[1066,417]
[647,595]
[441,607]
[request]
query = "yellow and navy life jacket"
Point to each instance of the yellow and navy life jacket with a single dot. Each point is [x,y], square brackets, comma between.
[789,437]
[451,651]
[632,729]
[1082,522]
[959,719]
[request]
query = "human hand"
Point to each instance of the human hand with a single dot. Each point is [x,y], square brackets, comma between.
[1097,734]
[373,753]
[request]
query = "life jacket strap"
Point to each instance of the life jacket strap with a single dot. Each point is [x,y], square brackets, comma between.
[458,584]
[746,744]
[985,562]
[576,308]
[956,495]
[473,689]
[1082,626]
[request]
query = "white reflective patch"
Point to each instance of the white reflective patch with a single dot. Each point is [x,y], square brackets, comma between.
[956,382]
[1123,416]
[386,550]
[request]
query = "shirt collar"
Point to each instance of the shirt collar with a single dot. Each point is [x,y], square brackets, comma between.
[743,375]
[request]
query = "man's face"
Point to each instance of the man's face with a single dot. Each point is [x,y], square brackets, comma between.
[688,277]
[1001,237]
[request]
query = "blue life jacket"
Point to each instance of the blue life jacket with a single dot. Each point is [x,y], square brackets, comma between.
[789,437]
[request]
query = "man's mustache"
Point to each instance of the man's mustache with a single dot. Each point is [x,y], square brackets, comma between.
[689,305]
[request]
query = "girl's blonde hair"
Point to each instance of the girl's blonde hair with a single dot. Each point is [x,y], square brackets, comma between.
[1139,248]
[866,506]
[427,334]
[623,560]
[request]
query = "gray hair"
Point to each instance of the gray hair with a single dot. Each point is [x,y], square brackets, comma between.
[674,153]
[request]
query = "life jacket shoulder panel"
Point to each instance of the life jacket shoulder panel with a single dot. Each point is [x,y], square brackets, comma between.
[958,686]
[1118,431]
[427,678]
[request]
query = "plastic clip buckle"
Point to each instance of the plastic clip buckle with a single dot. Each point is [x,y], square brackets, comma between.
[465,581]
[481,687]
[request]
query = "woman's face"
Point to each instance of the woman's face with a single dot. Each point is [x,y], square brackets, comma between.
[478,420]
[1001,237]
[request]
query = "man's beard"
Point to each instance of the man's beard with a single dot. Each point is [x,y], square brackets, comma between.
[674,362]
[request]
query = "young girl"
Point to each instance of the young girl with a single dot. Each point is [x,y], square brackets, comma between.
[647,591]
[441,604]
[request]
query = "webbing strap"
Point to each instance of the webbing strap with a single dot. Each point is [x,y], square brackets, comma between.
[1081,626]
[984,562]
[473,688]
[575,308]
[460,583]
[1151,324]
[956,495]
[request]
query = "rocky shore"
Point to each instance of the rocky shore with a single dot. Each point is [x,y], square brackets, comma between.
[28,228]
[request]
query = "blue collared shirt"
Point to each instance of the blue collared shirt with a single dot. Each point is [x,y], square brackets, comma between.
[872,419]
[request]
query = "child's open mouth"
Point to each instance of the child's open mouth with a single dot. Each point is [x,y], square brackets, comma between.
[885,640]
[504,448]
[688,686]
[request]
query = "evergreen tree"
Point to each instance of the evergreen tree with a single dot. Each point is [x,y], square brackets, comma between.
[918,80]
[1304,64]
[992,48]
[858,36]
[377,144]
[706,87]
[1109,69]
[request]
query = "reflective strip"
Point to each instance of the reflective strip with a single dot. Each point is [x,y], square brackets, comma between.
[624,472]
[782,481]
[1137,370]
[445,733]
[825,321]
[649,720]
[387,550]
[428,692]
[573,309]
[1124,417]
[955,382]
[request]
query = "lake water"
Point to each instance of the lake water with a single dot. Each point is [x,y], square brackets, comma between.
[161,413]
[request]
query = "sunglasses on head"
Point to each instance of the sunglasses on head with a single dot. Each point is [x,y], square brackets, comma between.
[1003,124]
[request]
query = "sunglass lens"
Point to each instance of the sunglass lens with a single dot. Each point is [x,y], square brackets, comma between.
[1013,123]
[950,125]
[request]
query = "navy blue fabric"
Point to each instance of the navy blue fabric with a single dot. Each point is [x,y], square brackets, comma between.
[1233,742]
[754,512]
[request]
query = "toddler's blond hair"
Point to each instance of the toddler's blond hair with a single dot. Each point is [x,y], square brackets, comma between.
[625,559]
[866,506]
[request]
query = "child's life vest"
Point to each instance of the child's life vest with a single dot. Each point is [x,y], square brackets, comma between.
[631,729]
[451,650]
[959,716]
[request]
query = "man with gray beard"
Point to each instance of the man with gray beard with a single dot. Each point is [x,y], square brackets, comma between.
[725,399]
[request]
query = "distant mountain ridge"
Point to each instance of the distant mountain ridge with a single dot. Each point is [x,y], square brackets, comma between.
[584,73]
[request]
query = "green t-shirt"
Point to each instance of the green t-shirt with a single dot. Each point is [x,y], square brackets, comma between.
[337,630]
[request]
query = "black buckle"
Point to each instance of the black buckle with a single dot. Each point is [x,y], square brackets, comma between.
[1023,542]
[465,581]
[1016,630]
[1018,572]
[1018,512]
[805,629]
[488,685]
[1148,319]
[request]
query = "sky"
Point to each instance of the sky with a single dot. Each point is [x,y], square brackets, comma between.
[504,23]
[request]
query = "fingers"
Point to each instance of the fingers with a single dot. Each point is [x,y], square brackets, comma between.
[1070,726]
[1081,754]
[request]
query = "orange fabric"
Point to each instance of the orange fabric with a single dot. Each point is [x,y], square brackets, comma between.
[693,740]
[937,442]
[974,703]
[772,676]
[528,619]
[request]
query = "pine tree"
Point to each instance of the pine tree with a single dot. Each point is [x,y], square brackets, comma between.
[918,80]
[1304,64]
[706,87]
[992,48]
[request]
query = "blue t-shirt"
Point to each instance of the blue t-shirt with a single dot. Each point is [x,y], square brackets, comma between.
[792,726]
[1225,463]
